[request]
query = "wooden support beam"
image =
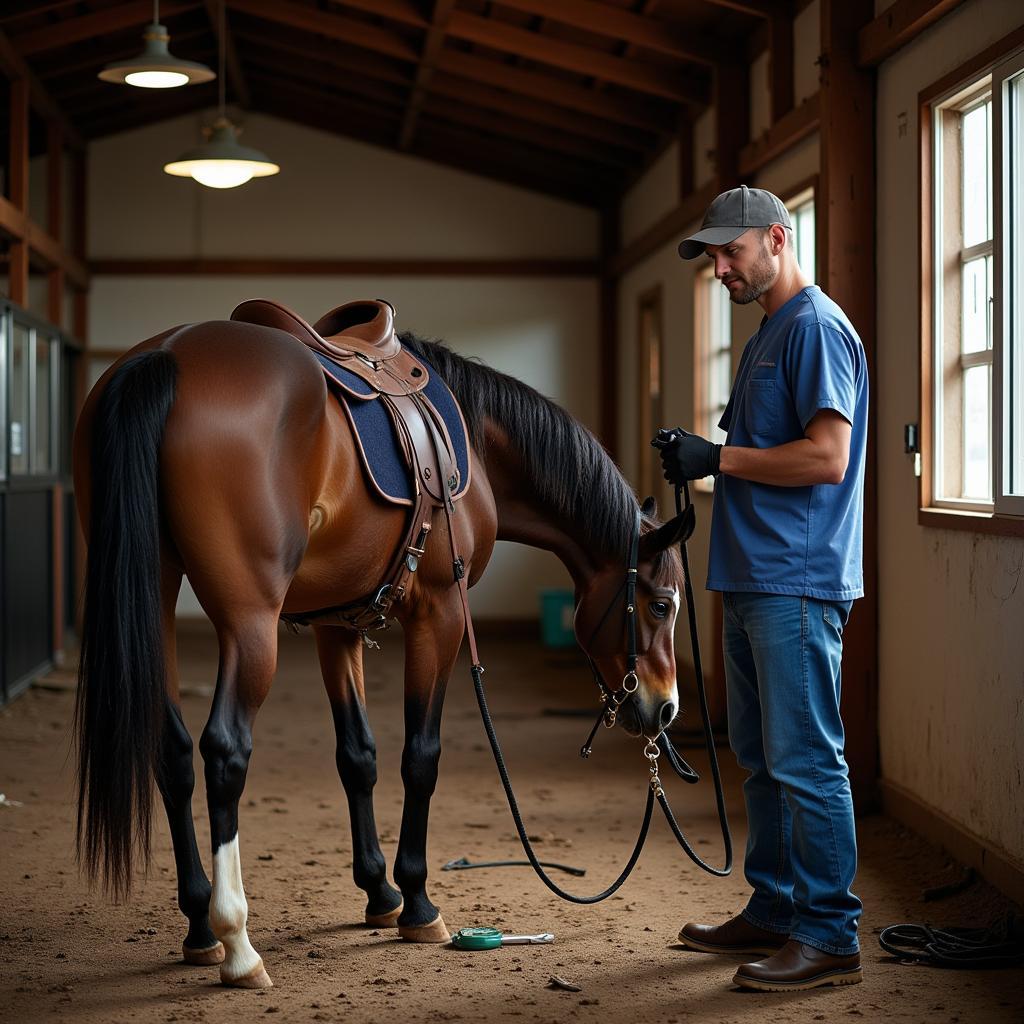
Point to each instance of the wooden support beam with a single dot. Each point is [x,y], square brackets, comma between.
[655,34]
[15,224]
[552,90]
[55,219]
[664,231]
[780,55]
[793,127]
[18,188]
[13,65]
[896,26]
[404,11]
[608,313]
[249,266]
[425,70]
[757,8]
[236,76]
[333,26]
[846,214]
[87,27]
[732,121]
[641,76]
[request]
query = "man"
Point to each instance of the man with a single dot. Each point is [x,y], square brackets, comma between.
[786,540]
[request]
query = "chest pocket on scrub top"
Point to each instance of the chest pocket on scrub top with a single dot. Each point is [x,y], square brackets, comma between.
[761,405]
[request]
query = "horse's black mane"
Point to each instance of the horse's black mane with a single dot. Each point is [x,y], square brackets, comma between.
[572,472]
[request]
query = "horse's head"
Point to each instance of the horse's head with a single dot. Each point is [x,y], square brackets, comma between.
[602,624]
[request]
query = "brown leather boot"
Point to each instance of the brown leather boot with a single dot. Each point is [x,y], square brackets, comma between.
[737,935]
[796,967]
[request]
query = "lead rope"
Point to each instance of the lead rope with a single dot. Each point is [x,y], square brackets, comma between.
[477,671]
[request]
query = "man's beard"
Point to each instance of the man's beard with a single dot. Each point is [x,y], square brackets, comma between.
[761,277]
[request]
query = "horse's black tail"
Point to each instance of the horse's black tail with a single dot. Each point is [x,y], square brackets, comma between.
[121,694]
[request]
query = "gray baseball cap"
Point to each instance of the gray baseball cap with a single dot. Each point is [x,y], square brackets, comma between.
[732,213]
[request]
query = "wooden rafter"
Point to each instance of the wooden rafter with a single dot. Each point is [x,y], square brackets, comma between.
[234,65]
[404,11]
[554,117]
[96,25]
[425,70]
[649,33]
[642,76]
[334,26]
[552,90]
[898,25]
[757,8]
[332,82]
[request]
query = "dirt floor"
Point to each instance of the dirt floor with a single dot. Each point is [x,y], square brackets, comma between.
[67,953]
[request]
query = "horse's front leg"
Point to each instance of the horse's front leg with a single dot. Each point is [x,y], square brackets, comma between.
[248,658]
[341,662]
[432,639]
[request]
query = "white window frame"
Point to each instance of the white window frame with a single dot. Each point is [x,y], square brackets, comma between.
[1007,320]
[803,199]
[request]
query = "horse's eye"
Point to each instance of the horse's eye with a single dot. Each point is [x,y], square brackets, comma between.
[659,609]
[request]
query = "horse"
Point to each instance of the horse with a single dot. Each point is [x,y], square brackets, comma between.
[214,451]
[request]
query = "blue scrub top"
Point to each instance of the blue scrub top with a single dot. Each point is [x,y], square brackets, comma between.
[803,541]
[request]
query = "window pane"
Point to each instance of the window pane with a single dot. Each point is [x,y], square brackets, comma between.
[1013,341]
[977,405]
[43,406]
[20,355]
[976,321]
[803,238]
[977,174]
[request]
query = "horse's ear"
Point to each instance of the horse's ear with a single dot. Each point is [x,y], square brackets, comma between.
[649,507]
[675,531]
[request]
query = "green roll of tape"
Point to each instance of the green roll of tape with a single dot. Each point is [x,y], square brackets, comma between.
[477,938]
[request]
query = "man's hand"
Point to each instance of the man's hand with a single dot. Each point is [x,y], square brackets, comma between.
[686,456]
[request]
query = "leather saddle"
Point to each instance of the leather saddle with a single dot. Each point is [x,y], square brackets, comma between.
[359,335]
[358,339]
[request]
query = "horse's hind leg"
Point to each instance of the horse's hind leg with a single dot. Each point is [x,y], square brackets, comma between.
[176,780]
[341,663]
[248,657]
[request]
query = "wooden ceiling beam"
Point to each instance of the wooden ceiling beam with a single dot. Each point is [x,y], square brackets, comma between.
[268,67]
[896,26]
[334,26]
[425,70]
[469,115]
[234,65]
[92,26]
[352,62]
[404,11]
[756,8]
[655,34]
[551,90]
[457,88]
[13,65]
[641,76]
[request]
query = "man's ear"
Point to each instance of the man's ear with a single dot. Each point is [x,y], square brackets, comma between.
[675,531]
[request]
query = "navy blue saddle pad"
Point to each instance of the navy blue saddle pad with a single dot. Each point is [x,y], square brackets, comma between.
[378,435]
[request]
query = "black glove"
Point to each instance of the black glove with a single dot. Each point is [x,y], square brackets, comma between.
[686,456]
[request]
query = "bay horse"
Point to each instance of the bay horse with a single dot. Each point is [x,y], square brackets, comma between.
[215,451]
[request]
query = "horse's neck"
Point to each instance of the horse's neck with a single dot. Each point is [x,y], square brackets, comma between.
[523,515]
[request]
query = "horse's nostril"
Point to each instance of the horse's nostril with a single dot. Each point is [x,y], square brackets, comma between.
[667,713]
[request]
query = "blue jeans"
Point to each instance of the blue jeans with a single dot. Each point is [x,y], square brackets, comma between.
[782,667]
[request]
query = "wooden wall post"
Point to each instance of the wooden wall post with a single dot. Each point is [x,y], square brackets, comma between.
[847,263]
[19,186]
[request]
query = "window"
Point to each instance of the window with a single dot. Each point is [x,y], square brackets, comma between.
[801,212]
[975,348]
[713,353]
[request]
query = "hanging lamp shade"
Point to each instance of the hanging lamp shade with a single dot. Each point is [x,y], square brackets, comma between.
[221,162]
[155,67]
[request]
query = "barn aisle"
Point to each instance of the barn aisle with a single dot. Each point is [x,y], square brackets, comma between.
[67,953]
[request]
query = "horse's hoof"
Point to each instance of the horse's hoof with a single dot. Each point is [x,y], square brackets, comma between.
[256,978]
[209,957]
[433,932]
[388,920]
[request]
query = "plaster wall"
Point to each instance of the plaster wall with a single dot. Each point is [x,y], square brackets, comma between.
[951,603]
[341,199]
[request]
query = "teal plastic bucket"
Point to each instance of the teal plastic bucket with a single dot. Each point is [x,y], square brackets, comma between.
[556,611]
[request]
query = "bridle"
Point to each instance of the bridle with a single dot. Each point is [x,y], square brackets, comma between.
[612,701]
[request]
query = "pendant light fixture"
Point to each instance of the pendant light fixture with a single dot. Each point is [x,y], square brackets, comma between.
[155,67]
[220,162]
